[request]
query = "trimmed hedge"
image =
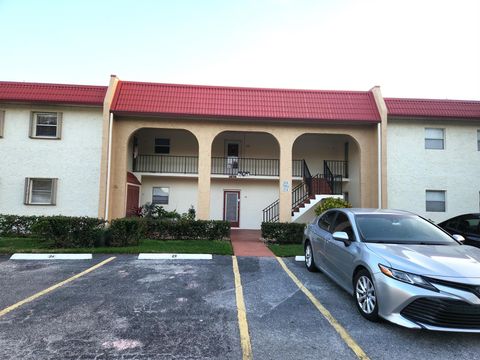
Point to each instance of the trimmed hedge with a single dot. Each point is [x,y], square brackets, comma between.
[74,232]
[283,233]
[17,226]
[125,232]
[66,231]
[187,229]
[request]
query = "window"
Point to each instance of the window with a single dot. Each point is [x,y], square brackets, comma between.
[343,224]
[162,146]
[434,138]
[2,120]
[160,195]
[326,220]
[46,125]
[40,191]
[435,200]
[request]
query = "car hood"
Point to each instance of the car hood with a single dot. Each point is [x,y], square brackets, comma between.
[442,261]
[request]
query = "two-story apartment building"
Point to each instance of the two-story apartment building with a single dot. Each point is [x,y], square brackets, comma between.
[50,148]
[240,154]
[434,156]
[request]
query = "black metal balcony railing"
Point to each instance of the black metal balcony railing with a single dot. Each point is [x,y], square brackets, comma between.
[220,165]
[245,166]
[336,167]
[251,166]
[166,164]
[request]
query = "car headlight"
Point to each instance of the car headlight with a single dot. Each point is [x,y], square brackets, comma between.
[406,277]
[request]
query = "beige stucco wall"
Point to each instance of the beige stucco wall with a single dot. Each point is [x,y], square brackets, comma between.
[183,192]
[182,143]
[412,169]
[352,186]
[255,195]
[205,131]
[104,186]
[314,149]
[252,145]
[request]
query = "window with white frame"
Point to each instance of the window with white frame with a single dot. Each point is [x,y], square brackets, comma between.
[46,125]
[160,195]
[435,200]
[434,138]
[162,146]
[2,120]
[40,191]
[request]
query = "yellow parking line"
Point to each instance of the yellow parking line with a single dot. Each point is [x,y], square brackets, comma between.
[53,287]
[242,314]
[336,325]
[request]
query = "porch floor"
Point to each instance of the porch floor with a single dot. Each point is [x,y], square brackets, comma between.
[248,243]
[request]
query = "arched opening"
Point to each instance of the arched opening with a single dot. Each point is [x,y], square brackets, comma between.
[332,161]
[165,161]
[245,177]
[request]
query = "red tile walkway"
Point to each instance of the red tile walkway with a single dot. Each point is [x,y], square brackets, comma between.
[248,243]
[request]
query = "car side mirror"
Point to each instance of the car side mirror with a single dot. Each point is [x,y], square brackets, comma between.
[341,236]
[459,238]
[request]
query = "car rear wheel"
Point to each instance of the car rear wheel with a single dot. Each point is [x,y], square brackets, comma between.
[366,295]
[309,260]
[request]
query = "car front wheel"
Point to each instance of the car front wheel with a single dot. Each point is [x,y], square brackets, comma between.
[366,295]
[309,260]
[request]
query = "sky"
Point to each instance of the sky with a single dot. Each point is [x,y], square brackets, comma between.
[410,48]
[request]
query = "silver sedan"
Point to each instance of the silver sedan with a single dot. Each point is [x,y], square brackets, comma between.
[398,266]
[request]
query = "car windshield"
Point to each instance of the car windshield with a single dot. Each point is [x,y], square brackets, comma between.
[400,229]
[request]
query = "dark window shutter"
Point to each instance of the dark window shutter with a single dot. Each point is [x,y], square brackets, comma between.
[26,192]
[53,198]
[31,129]
[2,122]
[59,125]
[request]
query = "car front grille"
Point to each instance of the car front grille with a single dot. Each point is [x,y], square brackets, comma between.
[443,313]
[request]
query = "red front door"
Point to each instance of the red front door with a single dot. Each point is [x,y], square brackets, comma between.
[231,207]
[133,195]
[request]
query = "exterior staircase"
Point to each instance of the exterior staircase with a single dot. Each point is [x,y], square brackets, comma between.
[307,194]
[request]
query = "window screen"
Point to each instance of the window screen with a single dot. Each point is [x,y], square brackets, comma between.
[435,200]
[160,195]
[434,138]
[162,146]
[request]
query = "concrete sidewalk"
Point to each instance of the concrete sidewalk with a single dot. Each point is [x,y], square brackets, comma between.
[248,243]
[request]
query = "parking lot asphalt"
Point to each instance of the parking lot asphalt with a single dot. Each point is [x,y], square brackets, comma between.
[384,340]
[183,309]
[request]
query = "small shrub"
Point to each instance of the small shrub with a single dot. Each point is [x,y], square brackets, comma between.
[17,226]
[152,211]
[125,232]
[283,233]
[190,215]
[65,231]
[331,203]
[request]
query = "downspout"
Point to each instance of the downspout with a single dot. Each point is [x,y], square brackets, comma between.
[379,145]
[109,159]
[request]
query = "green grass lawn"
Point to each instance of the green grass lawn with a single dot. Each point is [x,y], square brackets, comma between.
[28,245]
[286,250]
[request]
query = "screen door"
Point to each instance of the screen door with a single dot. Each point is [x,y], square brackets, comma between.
[231,207]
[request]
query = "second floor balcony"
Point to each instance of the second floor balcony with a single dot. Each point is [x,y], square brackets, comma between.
[227,166]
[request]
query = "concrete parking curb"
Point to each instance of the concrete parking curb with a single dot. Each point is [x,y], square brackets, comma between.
[299,258]
[154,256]
[18,256]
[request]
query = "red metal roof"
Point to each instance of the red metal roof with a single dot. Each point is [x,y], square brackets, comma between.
[52,93]
[243,103]
[433,108]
